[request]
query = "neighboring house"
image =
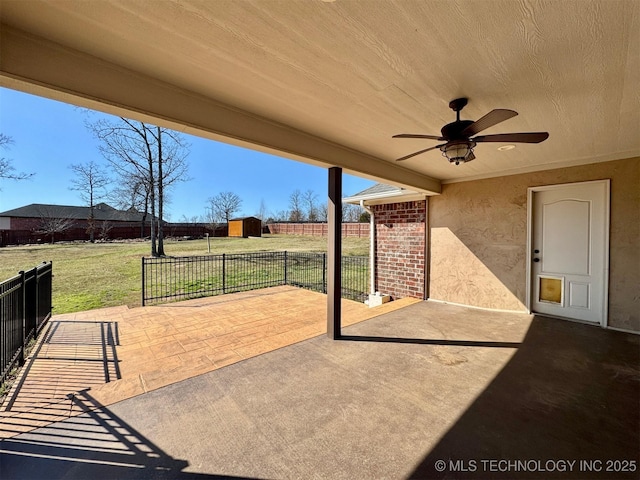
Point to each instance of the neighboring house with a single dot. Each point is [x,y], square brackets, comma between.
[562,242]
[41,223]
[38,223]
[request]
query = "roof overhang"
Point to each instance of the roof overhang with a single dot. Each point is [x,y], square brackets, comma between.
[395,196]
[39,66]
[330,83]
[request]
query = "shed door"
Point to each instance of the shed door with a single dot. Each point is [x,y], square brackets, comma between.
[570,251]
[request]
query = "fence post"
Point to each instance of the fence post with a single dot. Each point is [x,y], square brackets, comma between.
[324,272]
[24,313]
[224,273]
[143,292]
[49,293]
[37,301]
[286,280]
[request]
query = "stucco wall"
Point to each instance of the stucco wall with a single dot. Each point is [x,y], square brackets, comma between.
[400,249]
[478,239]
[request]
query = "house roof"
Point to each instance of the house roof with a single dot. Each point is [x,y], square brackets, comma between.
[381,193]
[330,83]
[102,212]
[379,189]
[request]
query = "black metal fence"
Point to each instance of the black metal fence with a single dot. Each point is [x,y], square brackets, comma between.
[180,278]
[25,306]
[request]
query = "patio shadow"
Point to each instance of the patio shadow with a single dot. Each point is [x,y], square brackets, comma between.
[570,393]
[97,444]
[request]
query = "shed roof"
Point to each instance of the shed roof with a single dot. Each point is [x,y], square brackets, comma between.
[244,218]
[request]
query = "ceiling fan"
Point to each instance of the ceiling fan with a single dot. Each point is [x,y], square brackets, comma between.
[457,135]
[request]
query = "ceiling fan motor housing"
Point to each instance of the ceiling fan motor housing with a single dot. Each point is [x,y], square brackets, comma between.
[453,131]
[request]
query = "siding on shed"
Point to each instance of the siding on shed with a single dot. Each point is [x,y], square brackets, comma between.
[245,227]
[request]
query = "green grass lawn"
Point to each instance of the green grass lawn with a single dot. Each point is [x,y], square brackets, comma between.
[87,276]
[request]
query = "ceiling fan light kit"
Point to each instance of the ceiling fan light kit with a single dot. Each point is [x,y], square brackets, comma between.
[457,135]
[458,152]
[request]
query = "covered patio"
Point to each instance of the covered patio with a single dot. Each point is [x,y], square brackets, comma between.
[330,84]
[118,353]
[426,391]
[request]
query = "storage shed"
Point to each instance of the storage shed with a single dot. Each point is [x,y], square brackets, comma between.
[245,227]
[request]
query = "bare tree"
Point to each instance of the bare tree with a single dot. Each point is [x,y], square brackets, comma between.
[192,220]
[50,224]
[296,213]
[262,211]
[131,194]
[351,213]
[90,181]
[147,158]
[309,199]
[323,212]
[7,170]
[223,206]
[279,216]
[105,228]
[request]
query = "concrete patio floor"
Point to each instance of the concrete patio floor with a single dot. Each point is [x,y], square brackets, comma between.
[118,353]
[397,395]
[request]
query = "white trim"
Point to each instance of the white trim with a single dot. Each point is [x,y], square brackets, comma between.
[541,188]
[475,307]
[576,162]
[568,319]
[427,250]
[607,252]
[623,330]
[372,248]
[385,197]
[529,252]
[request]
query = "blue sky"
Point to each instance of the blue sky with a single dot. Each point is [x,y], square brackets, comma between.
[49,136]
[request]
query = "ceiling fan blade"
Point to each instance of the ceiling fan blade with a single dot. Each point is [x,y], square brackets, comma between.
[489,120]
[416,135]
[419,152]
[530,137]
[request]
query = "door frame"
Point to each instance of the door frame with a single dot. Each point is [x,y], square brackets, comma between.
[529,248]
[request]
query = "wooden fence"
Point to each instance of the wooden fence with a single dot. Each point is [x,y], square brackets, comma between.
[318,229]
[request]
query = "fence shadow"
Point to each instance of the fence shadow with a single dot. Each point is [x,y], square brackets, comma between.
[77,354]
[97,444]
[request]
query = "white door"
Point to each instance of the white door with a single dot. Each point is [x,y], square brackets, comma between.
[569,250]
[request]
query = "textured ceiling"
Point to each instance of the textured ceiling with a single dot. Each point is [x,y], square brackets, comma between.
[357,72]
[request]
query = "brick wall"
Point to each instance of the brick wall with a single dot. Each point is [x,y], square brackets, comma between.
[400,249]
